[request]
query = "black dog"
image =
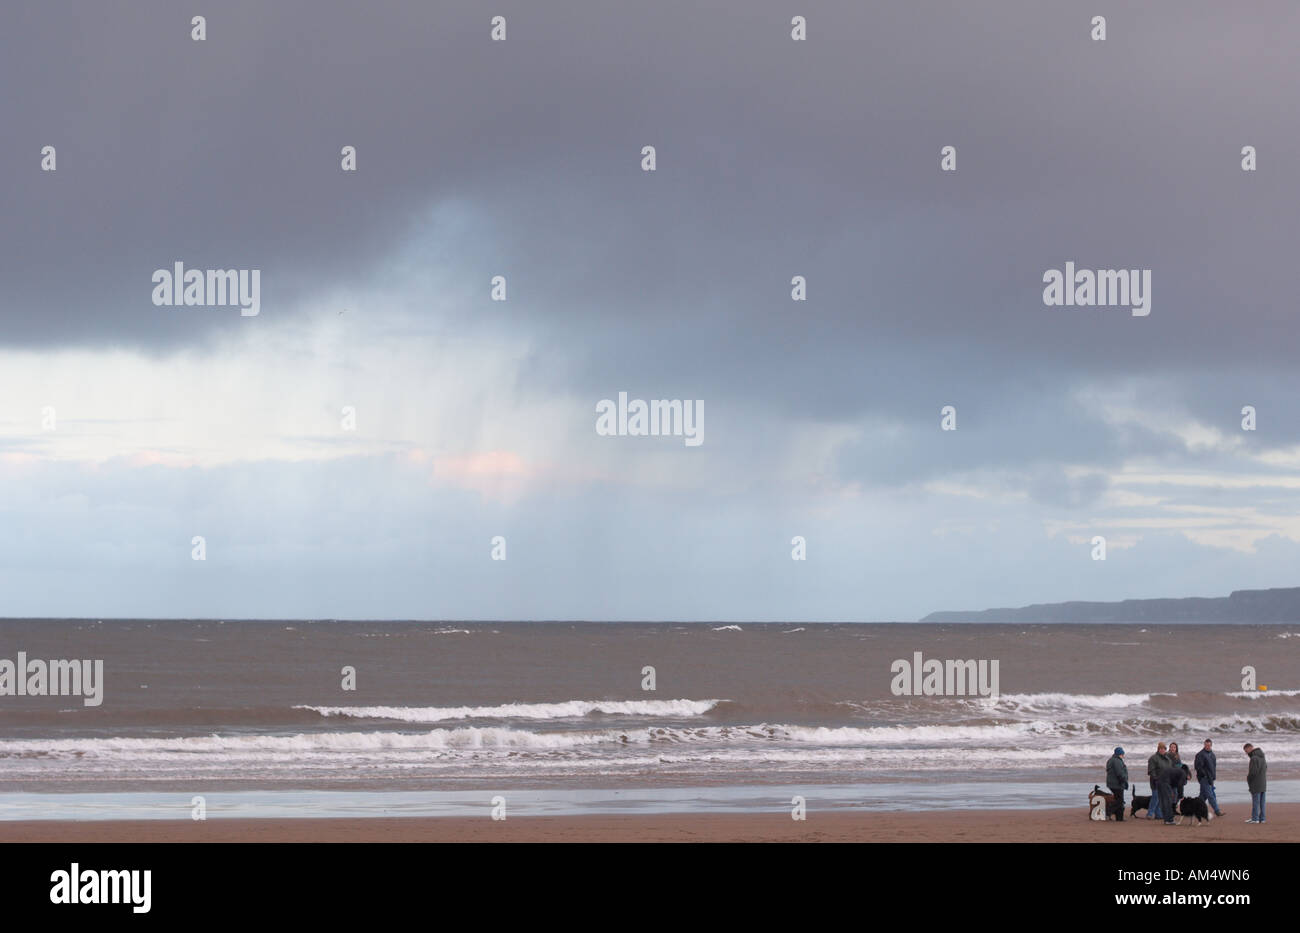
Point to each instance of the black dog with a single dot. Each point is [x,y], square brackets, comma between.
[1195,807]
[1140,803]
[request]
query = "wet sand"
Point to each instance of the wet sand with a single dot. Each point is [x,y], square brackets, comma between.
[1035,826]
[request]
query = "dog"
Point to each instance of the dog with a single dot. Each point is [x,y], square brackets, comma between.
[1140,803]
[1102,805]
[1195,807]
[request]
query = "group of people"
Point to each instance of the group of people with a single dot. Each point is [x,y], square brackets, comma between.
[1167,776]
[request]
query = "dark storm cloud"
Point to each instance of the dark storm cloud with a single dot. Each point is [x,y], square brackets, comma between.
[775,158]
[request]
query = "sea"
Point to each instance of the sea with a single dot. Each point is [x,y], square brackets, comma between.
[353,718]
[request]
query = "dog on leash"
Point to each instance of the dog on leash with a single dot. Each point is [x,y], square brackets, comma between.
[1195,807]
[1140,803]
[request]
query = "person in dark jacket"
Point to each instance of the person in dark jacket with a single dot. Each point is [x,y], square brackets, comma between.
[1169,786]
[1176,762]
[1256,782]
[1206,774]
[1117,781]
[1156,764]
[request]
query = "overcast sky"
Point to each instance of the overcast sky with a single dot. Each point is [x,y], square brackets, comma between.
[775,158]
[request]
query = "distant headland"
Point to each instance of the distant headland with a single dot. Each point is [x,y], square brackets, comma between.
[1275,605]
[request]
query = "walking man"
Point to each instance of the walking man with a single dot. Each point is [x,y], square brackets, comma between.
[1256,782]
[1206,772]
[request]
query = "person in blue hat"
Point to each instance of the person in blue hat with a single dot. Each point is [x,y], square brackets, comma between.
[1117,780]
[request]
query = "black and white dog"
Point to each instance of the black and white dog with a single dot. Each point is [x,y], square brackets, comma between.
[1195,807]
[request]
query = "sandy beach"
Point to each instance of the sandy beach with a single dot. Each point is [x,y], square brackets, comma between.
[1066,825]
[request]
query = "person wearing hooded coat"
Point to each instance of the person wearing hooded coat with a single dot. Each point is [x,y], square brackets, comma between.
[1256,782]
[1156,764]
[1117,781]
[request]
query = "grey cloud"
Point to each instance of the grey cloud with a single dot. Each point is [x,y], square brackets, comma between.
[775,158]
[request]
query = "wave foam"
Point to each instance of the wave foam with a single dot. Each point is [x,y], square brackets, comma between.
[1008,741]
[568,709]
[1078,700]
